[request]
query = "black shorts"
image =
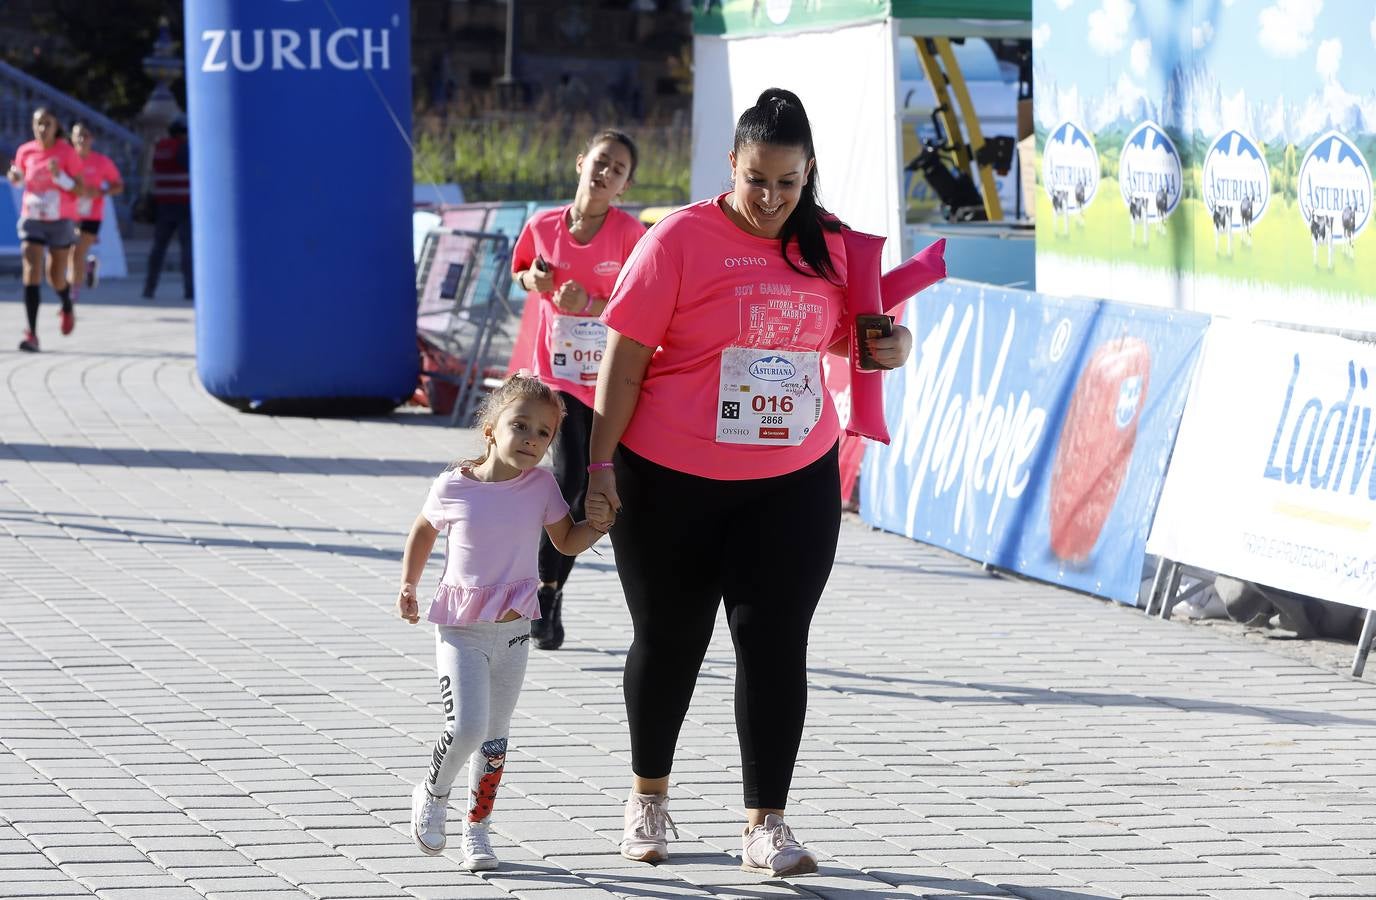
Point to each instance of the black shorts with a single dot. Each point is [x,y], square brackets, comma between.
[89,226]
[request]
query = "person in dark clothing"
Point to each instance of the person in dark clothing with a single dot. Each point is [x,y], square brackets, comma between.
[171,194]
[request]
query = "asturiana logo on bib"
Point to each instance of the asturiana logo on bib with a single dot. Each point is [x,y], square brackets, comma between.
[735,262]
[588,330]
[772,368]
[1335,184]
[607,267]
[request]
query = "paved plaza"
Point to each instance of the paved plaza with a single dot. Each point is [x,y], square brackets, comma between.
[204,691]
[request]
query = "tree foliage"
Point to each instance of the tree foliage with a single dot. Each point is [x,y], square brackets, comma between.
[94,51]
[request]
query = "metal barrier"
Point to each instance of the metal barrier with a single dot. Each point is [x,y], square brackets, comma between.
[462,309]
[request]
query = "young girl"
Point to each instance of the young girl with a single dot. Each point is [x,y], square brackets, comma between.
[493,509]
[568,259]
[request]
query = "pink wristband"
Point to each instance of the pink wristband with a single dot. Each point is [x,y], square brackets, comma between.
[597,467]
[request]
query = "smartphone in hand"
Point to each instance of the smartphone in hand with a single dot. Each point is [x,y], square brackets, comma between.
[868,327]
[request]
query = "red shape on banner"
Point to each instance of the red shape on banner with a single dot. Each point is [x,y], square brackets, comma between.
[1096,444]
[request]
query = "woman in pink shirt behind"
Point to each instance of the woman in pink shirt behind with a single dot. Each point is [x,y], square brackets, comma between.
[99,179]
[569,259]
[726,462]
[492,508]
[50,172]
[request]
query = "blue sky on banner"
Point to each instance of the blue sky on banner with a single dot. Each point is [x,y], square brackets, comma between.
[1296,52]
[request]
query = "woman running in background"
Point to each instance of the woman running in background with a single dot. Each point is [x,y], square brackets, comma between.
[49,170]
[568,260]
[99,179]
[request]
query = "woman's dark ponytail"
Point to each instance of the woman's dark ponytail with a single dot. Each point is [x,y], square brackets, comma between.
[778,119]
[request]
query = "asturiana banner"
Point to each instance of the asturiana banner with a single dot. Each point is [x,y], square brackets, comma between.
[1274,475]
[1033,432]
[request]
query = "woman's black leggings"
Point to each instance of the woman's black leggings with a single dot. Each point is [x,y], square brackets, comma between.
[571,471]
[764,547]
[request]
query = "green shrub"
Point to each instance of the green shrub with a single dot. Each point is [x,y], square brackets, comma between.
[530,155]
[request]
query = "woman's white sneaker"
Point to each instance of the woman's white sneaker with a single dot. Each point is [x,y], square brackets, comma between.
[772,849]
[428,814]
[478,855]
[646,838]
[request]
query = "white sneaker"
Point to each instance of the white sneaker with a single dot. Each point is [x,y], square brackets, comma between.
[428,814]
[772,849]
[478,854]
[646,837]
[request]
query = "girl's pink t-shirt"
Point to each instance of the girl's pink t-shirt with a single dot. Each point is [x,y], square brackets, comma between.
[695,285]
[594,265]
[43,199]
[97,171]
[492,551]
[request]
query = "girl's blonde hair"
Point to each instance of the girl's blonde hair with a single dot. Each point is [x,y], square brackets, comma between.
[518,387]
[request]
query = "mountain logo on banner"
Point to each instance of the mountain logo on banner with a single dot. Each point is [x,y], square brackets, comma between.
[1150,173]
[1235,175]
[1070,167]
[1335,182]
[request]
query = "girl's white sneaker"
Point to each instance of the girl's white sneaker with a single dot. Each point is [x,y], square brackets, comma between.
[428,814]
[478,855]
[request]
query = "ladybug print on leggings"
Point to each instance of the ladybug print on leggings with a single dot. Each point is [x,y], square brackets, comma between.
[486,793]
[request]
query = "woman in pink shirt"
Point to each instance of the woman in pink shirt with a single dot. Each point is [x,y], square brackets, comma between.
[491,507]
[50,172]
[568,259]
[726,463]
[99,179]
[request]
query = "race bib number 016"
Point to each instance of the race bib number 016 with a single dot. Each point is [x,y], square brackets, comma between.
[768,396]
[576,345]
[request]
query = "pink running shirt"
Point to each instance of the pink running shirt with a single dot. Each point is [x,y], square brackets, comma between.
[97,171]
[594,265]
[492,552]
[43,199]
[694,286]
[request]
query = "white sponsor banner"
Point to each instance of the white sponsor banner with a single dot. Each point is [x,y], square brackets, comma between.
[1273,478]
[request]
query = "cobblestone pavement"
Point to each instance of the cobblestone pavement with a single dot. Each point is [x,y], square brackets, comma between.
[204,692]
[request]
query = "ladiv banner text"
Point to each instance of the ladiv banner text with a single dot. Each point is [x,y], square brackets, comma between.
[1213,155]
[1274,476]
[1032,432]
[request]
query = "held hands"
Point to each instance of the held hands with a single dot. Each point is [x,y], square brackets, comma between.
[407,607]
[892,351]
[599,512]
[602,489]
[571,297]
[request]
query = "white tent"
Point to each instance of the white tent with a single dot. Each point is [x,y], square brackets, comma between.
[842,60]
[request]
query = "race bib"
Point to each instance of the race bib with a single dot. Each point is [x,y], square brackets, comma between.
[83,207]
[576,345]
[768,396]
[43,206]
